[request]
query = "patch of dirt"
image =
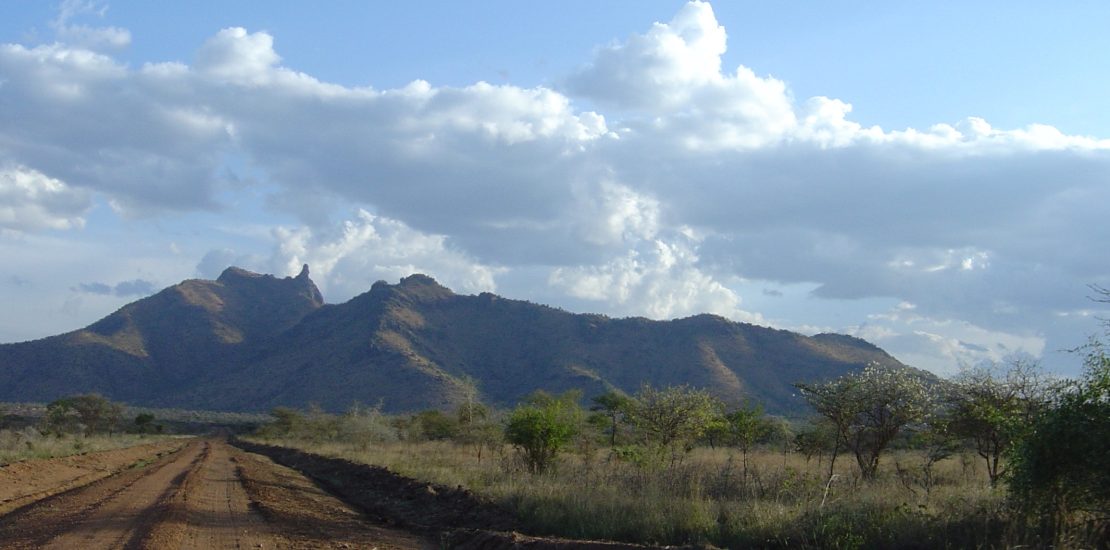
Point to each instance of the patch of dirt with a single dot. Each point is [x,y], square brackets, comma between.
[392,498]
[24,482]
[206,495]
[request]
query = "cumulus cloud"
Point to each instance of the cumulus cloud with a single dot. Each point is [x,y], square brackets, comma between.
[670,79]
[88,120]
[658,279]
[29,200]
[688,177]
[347,259]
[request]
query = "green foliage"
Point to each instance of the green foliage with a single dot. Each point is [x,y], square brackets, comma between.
[671,419]
[542,426]
[815,439]
[286,422]
[747,426]
[869,409]
[434,425]
[612,407]
[994,407]
[87,414]
[144,423]
[1061,471]
[360,426]
[478,428]
[364,426]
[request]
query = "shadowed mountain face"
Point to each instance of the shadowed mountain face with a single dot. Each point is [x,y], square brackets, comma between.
[252,342]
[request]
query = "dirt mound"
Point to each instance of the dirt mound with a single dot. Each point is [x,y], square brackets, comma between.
[393,498]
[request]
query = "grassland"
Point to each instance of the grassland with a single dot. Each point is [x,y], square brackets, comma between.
[780,500]
[29,443]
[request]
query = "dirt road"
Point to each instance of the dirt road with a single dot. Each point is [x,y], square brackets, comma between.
[206,495]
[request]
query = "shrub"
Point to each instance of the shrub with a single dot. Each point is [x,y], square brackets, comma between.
[542,426]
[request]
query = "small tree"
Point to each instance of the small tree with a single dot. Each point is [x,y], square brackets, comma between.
[815,439]
[433,425]
[869,409]
[994,407]
[144,423]
[542,426]
[286,423]
[615,407]
[673,418]
[89,413]
[363,426]
[477,428]
[746,426]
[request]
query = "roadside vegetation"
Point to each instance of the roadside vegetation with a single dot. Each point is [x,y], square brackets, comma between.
[72,425]
[998,456]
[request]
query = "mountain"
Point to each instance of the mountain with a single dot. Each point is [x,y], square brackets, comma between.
[155,346]
[249,342]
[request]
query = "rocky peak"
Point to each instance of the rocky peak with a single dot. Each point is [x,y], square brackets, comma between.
[234,274]
[423,287]
[267,287]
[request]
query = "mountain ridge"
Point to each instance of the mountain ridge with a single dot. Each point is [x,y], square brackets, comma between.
[248,342]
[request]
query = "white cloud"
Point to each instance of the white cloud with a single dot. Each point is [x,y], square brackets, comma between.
[346,261]
[688,177]
[29,201]
[84,36]
[944,344]
[610,213]
[671,79]
[658,279]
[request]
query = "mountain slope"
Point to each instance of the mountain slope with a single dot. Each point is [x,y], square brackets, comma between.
[416,345]
[160,343]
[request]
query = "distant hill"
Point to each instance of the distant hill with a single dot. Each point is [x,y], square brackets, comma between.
[249,342]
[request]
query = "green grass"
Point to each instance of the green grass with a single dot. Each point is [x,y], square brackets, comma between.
[780,502]
[27,444]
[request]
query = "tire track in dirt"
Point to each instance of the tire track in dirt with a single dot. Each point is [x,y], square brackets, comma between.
[28,481]
[210,509]
[111,513]
[206,495]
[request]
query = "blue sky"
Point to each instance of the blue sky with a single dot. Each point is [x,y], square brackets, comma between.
[929,176]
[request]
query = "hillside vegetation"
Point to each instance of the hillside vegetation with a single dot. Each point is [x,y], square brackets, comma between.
[249,342]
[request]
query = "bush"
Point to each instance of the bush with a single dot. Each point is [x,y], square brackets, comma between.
[542,426]
[1061,471]
[87,414]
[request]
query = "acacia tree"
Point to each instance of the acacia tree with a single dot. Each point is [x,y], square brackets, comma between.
[869,409]
[673,417]
[746,426]
[89,413]
[993,407]
[542,426]
[477,427]
[615,407]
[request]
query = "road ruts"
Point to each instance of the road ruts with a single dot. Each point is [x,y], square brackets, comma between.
[206,495]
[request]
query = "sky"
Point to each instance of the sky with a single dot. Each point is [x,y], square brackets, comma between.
[932,177]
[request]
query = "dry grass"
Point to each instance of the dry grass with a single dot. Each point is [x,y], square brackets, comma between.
[780,501]
[26,444]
